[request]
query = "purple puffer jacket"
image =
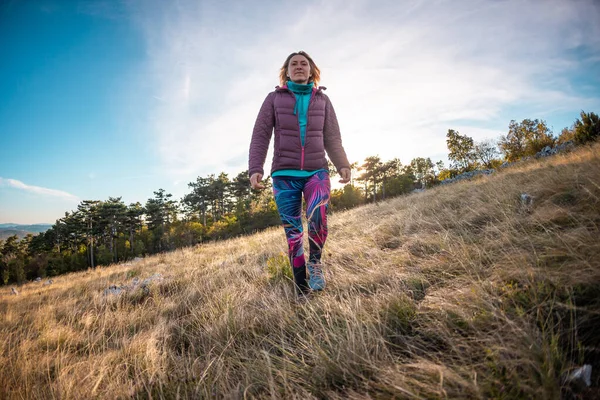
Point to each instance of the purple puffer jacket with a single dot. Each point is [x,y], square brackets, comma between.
[322,134]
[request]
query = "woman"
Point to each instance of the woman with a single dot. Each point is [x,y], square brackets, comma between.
[305,128]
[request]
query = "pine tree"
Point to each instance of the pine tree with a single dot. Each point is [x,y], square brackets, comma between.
[160,211]
[112,215]
[133,224]
[89,213]
[372,174]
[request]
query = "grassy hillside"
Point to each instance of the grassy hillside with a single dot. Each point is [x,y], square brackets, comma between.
[461,292]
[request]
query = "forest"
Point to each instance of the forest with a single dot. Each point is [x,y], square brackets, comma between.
[104,232]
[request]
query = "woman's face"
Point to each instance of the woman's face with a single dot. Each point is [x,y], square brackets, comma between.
[299,69]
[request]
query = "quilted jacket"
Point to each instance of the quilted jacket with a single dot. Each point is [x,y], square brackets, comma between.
[322,134]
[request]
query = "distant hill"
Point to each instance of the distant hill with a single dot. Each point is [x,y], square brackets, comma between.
[7,230]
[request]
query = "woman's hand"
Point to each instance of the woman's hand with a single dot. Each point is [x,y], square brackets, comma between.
[345,174]
[255,181]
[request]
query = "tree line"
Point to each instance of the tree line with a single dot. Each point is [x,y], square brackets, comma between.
[217,207]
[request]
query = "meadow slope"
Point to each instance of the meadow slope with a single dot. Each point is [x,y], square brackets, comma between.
[461,291]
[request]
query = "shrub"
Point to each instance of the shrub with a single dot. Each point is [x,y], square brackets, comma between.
[588,128]
[279,269]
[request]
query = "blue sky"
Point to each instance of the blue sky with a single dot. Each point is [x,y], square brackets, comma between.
[122,98]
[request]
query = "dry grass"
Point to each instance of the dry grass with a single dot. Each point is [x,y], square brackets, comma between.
[457,292]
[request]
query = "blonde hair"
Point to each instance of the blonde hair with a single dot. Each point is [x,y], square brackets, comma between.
[315,73]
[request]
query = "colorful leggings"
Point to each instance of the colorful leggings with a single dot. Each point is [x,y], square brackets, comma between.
[288,196]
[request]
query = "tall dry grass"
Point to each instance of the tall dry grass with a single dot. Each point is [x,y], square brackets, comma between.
[458,292]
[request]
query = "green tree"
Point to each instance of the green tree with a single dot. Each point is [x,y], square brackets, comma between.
[133,224]
[439,167]
[422,169]
[39,245]
[263,210]
[187,233]
[347,197]
[198,200]
[388,170]
[372,175]
[525,139]
[240,188]
[13,258]
[461,150]
[8,253]
[31,270]
[74,231]
[400,184]
[219,193]
[586,129]
[113,214]
[89,214]
[160,211]
[485,152]
[567,134]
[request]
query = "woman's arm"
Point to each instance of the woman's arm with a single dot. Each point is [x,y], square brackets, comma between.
[261,136]
[332,138]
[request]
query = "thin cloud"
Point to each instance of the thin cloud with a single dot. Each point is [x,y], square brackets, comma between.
[103,9]
[38,190]
[399,73]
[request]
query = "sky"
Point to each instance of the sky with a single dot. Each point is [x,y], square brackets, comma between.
[122,98]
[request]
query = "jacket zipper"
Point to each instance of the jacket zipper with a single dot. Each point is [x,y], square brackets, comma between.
[312,95]
[299,132]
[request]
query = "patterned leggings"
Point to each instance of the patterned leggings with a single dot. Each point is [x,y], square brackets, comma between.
[288,196]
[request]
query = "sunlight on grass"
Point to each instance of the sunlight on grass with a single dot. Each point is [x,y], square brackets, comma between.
[457,292]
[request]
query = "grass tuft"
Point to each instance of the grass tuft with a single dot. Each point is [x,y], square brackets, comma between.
[279,269]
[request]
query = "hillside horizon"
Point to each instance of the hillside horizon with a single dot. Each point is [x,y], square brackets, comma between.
[22,230]
[11,224]
[464,291]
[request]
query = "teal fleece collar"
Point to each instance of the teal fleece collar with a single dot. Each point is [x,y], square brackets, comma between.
[302,92]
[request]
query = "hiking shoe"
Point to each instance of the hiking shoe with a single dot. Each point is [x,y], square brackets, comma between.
[316,280]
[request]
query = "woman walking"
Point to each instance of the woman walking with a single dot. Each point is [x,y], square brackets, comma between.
[305,128]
